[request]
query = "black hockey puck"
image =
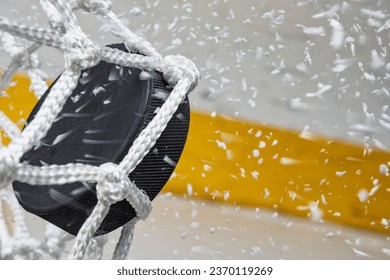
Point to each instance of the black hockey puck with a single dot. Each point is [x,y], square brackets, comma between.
[98,124]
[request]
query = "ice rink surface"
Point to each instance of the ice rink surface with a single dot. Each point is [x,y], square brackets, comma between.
[182,228]
[320,66]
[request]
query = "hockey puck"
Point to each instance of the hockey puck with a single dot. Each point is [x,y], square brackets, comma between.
[98,124]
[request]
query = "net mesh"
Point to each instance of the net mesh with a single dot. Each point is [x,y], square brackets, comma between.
[21,42]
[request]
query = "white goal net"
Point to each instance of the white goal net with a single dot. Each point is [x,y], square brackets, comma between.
[21,42]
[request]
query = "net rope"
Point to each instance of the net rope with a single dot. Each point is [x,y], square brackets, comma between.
[21,42]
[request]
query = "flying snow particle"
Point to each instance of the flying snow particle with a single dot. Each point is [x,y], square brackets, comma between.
[321,90]
[266,193]
[369,77]
[262,144]
[361,253]
[255,174]
[168,160]
[61,137]
[226,195]
[341,65]
[229,154]
[207,167]
[384,169]
[313,31]
[374,190]
[362,195]
[385,26]
[145,76]
[260,53]
[136,11]
[316,213]
[189,189]
[242,170]
[114,75]
[297,105]
[221,145]
[323,199]
[75,99]
[177,42]
[341,173]
[350,41]
[244,86]
[251,103]
[289,161]
[338,34]
[302,67]
[195,225]
[371,13]
[385,222]
[329,13]
[377,61]
[162,95]
[98,90]
[231,13]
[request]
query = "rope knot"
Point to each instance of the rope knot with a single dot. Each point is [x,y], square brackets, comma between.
[80,51]
[8,165]
[177,67]
[114,186]
[100,7]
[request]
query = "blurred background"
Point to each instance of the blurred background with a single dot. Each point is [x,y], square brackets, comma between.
[288,154]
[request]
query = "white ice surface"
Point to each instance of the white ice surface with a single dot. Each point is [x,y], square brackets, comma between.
[181,228]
